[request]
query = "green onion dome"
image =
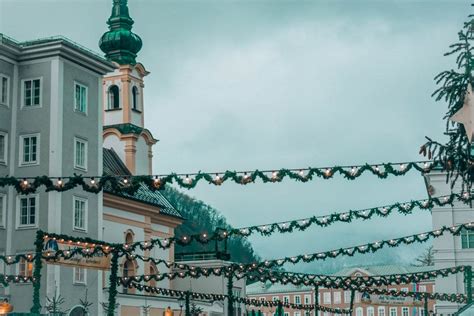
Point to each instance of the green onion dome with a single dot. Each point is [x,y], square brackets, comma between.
[120,44]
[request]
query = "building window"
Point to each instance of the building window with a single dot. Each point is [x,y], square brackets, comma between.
[297,299]
[80,213]
[80,154]
[422,311]
[25,268]
[4,82]
[327,297]
[262,299]
[3,148]
[286,299]
[135,98]
[337,297]
[128,271]
[28,207]
[80,98]
[370,311]
[275,298]
[405,311]
[393,311]
[347,296]
[422,288]
[79,275]
[357,297]
[307,299]
[381,311]
[467,239]
[359,311]
[3,208]
[31,92]
[286,314]
[114,99]
[29,149]
[297,313]
[404,289]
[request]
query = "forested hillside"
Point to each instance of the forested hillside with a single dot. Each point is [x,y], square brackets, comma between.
[201,217]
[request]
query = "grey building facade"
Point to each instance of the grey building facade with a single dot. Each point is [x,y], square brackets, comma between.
[50,124]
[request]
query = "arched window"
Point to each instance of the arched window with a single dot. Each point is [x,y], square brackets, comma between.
[128,271]
[77,311]
[359,311]
[153,271]
[135,98]
[129,237]
[114,99]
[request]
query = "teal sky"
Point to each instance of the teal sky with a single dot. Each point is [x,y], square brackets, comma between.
[272,84]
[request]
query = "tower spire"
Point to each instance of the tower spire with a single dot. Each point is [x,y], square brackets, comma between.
[120,44]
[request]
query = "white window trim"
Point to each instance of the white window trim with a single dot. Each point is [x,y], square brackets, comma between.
[86,149]
[74,281]
[327,295]
[294,298]
[74,97]
[275,298]
[4,160]
[23,106]
[21,163]
[286,299]
[393,309]
[307,297]
[86,213]
[7,104]
[3,209]
[337,294]
[18,210]
[381,308]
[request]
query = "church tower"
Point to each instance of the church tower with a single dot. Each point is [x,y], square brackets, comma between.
[124,110]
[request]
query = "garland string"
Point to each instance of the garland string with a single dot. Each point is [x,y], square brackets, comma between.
[130,184]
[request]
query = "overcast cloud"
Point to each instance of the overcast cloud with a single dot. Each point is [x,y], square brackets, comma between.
[271,84]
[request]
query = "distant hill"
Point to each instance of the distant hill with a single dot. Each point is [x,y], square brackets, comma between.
[201,217]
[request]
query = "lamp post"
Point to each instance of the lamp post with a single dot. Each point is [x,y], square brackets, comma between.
[187,310]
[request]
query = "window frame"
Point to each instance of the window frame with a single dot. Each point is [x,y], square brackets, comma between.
[359,310]
[85,216]
[32,106]
[370,311]
[339,301]
[393,309]
[21,161]
[18,211]
[286,299]
[307,297]
[407,309]
[26,263]
[86,149]
[135,99]
[7,103]
[465,234]
[327,295]
[4,160]
[381,308]
[295,300]
[110,104]
[76,83]
[84,274]
[347,297]
[3,209]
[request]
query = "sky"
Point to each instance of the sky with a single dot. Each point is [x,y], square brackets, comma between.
[245,85]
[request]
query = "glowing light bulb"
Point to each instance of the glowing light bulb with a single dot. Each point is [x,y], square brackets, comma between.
[92,181]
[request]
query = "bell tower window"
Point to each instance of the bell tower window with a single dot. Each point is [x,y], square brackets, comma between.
[114,99]
[134,98]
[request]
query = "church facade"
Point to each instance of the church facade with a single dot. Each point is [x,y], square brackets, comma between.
[63,110]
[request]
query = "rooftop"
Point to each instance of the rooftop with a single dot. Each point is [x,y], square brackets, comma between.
[269,288]
[113,165]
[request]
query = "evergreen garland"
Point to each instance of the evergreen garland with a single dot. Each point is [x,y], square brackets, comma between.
[130,184]
[221,297]
[454,298]
[5,280]
[404,208]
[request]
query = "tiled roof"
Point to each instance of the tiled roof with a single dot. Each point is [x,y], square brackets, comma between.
[269,288]
[113,165]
